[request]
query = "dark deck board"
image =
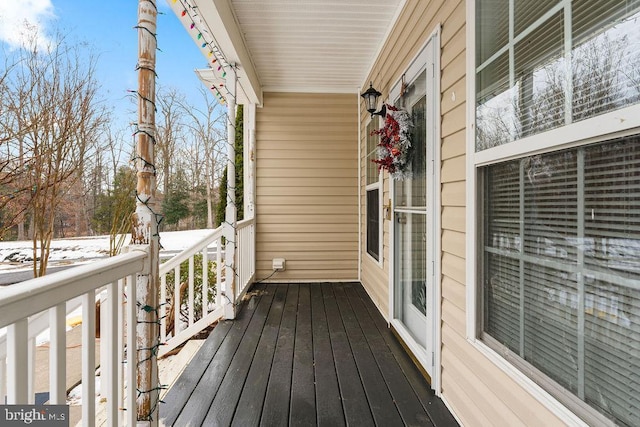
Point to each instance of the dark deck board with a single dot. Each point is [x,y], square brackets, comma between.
[225,401]
[437,411]
[354,399]
[381,403]
[276,402]
[406,400]
[249,406]
[303,354]
[328,404]
[303,398]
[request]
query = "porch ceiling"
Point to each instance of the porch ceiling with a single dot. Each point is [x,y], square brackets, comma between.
[298,45]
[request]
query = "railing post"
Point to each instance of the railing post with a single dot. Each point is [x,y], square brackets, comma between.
[231,211]
[145,228]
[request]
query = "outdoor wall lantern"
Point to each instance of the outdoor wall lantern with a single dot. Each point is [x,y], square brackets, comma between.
[371,101]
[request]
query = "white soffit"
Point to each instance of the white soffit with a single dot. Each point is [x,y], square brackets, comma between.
[314,45]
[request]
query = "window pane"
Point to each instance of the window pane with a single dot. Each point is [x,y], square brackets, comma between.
[567,300]
[527,12]
[606,56]
[372,144]
[373,223]
[540,72]
[492,29]
[495,113]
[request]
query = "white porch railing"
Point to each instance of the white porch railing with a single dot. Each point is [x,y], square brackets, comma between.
[29,308]
[51,294]
[189,318]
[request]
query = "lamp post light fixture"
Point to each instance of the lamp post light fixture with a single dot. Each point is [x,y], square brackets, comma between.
[371,101]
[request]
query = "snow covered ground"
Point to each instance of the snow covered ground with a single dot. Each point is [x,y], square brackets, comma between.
[19,254]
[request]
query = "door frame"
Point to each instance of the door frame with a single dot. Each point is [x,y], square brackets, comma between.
[427,58]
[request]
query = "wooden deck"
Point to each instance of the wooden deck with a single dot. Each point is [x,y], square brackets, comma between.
[308,354]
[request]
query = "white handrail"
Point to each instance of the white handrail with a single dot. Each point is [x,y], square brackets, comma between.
[26,301]
[33,296]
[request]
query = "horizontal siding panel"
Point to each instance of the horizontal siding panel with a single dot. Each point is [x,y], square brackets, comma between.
[303,200]
[453,169]
[297,145]
[454,96]
[290,125]
[310,221]
[455,70]
[455,293]
[305,228]
[316,191]
[460,400]
[304,256]
[453,194]
[454,121]
[454,145]
[309,237]
[454,317]
[307,153]
[453,47]
[461,356]
[310,210]
[453,243]
[308,163]
[454,218]
[484,399]
[342,173]
[311,247]
[454,267]
[315,264]
[290,275]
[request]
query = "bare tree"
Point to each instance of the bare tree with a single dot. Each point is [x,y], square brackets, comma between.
[52,97]
[207,128]
[168,131]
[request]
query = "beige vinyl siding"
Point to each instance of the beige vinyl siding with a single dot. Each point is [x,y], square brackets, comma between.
[306,186]
[478,392]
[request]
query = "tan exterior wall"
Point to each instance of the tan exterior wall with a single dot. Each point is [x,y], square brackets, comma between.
[477,391]
[306,186]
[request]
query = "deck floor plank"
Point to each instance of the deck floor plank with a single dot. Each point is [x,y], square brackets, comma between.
[278,395]
[196,408]
[304,354]
[303,396]
[381,403]
[328,403]
[433,405]
[177,396]
[403,394]
[354,399]
[226,399]
[251,400]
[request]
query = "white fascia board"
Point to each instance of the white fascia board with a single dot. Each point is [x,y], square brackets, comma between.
[222,25]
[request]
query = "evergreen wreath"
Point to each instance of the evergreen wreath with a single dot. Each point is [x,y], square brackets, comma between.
[394,149]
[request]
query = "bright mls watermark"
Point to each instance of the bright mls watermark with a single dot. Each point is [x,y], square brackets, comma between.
[34,415]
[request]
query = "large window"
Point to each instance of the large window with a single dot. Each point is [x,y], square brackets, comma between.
[559,235]
[374,189]
[562,62]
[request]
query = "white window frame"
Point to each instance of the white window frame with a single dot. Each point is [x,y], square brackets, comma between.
[373,186]
[617,123]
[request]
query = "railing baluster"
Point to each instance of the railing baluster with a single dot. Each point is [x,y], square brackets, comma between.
[176,299]
[120,361]
[3,379]
[31,370]
[110,377]
[17,367]
[132,354]
[191,291]
[218,272]
[88,359]
[205,281]
[163,308]
[57,355]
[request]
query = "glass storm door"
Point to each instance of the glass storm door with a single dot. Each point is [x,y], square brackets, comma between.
[413,213]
